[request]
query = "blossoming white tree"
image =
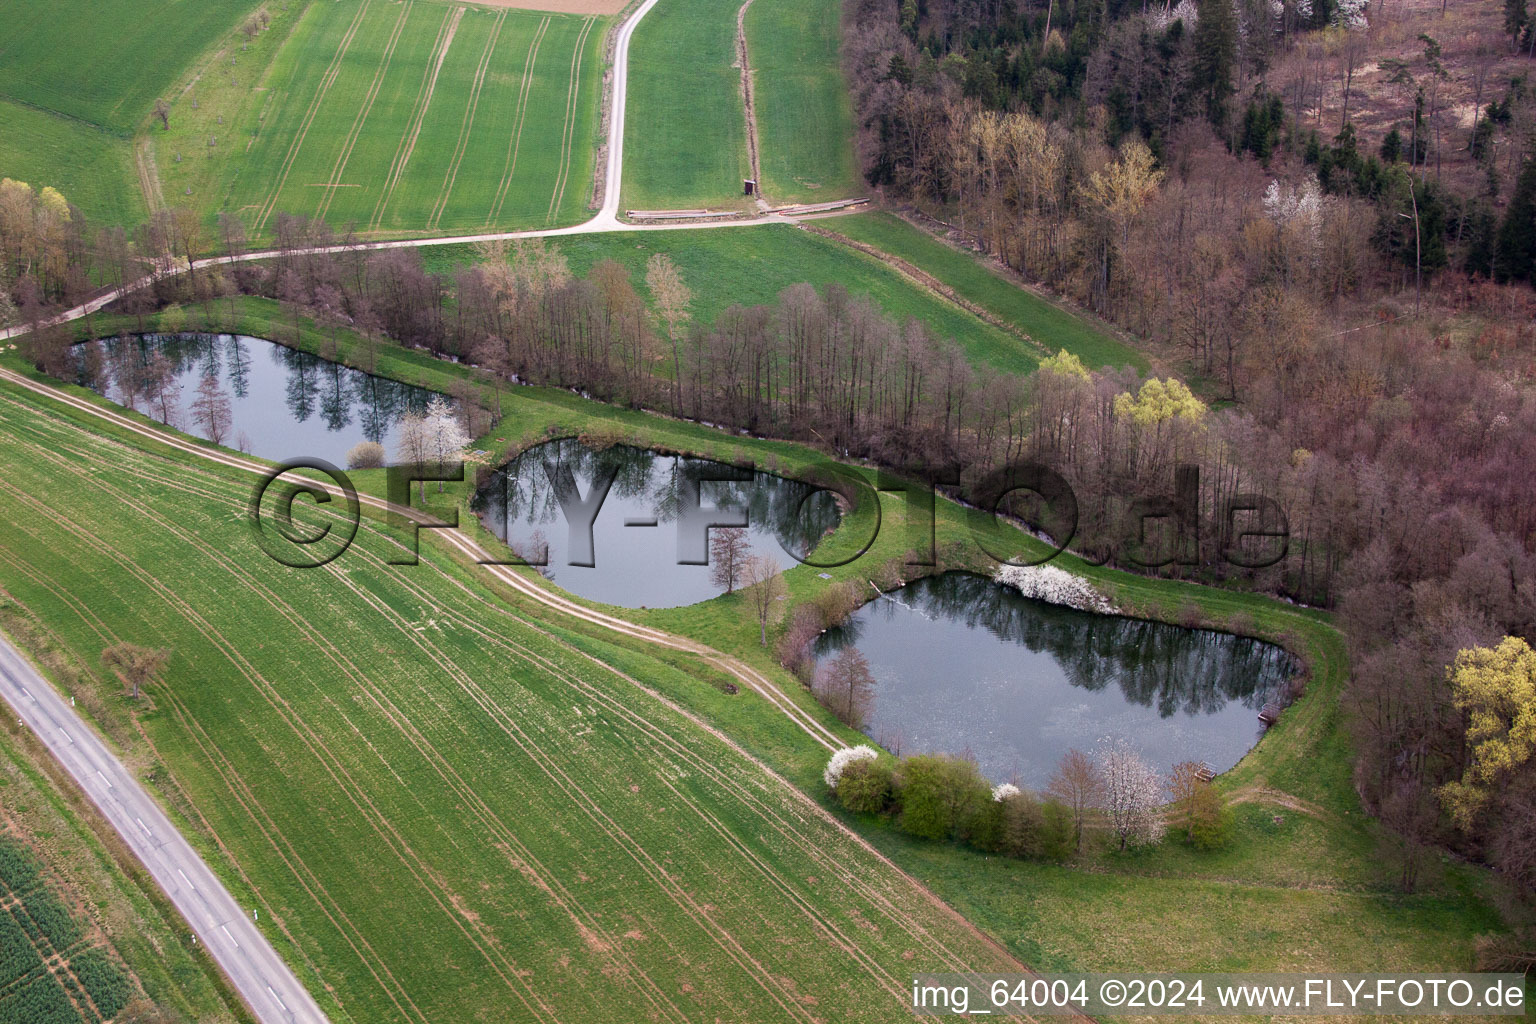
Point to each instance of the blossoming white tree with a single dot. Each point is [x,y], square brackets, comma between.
[446,437]
[841,759]
[1004,791]
[1131,794]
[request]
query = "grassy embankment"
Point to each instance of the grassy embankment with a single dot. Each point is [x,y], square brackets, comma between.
[750,266]
[1307,891]
[398,119]
[1045,321]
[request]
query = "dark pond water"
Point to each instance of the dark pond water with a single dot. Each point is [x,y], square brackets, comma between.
[283,404]
[642,531]
[964,664]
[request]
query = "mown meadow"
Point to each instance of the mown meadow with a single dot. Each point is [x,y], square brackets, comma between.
[685,128]
[804,113]
[685,142]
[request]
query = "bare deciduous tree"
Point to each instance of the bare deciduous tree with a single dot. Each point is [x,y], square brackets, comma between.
[728,552]
[1079,785]
[847,687]
[763,583]
[136,666]
[671,297]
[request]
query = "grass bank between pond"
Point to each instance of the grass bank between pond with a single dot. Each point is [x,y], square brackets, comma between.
[1310,890]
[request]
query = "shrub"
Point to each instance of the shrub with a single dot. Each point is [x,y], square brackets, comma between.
[841,759]
[865,786]
[940,796]
[365,455]
[837,602]
[1058,834]
[1210,819]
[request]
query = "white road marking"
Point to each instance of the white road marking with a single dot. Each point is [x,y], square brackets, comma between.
[237,946]
[106,781]
[184,878]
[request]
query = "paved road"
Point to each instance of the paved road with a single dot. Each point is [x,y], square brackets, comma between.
[269,988]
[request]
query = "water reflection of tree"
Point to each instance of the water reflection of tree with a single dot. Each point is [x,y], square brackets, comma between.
[522,491]
[335,397]
[239,366]
[303,384]
[130,365]
[1165,667]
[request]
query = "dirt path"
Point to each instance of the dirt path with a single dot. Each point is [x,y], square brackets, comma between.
[747,100]
[149,175]
[467,547]
[929,283]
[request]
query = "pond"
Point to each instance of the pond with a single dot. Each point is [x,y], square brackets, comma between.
[964,664]
[283,404]
[643,545]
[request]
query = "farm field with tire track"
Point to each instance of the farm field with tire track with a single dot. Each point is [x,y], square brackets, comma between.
[804,113]
[442,808]
[394,118]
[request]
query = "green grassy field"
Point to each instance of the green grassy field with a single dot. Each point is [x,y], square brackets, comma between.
[91,166]
[74,891]
[106,61]
[752,265]
[804,112]
[1046,322]
[442,807]
[396,118]
[1307,892]
[685,129]
[79,77]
